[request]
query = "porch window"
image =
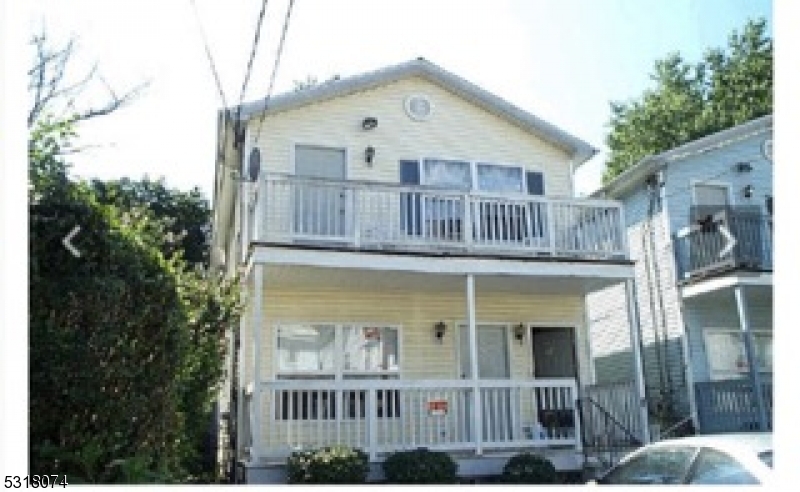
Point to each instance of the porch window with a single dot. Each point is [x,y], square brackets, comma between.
[727,358]
[336,352]
[306,349]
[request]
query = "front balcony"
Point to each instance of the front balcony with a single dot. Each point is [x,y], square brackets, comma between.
[389,217]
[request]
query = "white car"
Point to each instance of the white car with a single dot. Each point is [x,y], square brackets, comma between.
[737,458]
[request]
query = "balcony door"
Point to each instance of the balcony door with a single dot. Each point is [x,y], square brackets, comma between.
[320,203]
[710,205]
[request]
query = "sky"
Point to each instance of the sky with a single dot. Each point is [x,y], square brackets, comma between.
[563,61]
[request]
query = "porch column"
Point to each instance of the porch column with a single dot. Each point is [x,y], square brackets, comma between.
[477,417]
[636,350]
[752,363]
[257,302]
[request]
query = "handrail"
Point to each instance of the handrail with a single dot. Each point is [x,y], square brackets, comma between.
[674,427]
[612,419]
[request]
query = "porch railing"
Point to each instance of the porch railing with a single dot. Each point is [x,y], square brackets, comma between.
[382,215]
[730,406]
[703,251]
[381,416]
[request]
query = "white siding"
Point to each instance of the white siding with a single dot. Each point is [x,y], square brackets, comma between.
[457,129]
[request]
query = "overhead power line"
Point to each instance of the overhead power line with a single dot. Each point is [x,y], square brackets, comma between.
[253,50]
[276,65]
[210,58]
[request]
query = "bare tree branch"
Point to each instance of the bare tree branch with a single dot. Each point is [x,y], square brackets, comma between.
[52,93]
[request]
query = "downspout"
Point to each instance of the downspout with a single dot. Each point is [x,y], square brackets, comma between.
[649,286]
[656,195]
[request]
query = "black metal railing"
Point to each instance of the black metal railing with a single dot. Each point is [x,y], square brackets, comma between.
[610,424]
[728,241]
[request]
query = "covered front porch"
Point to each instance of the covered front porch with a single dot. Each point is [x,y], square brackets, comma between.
[730,327]
[388,352]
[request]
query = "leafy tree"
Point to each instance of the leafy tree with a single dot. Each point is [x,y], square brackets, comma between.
[689,101]
[186,215]
[126,341]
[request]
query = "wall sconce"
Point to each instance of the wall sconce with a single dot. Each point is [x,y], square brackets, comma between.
[747,191]
[369,123]
[369,154]
[438,330]
[519,333]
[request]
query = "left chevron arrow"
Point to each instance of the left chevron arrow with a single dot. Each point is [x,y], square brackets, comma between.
[66,242]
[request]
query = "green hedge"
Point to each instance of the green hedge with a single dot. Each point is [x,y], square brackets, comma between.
[529,468]
[329,465]
[420,466]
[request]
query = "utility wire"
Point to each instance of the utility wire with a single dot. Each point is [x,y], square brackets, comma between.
[253,49]
[275,66]
[217,81]
[210,58]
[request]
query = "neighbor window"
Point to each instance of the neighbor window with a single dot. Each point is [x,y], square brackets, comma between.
[727,357]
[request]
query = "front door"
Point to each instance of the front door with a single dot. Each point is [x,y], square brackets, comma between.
[320,207]
[493,363]
[554,357]
[553,353]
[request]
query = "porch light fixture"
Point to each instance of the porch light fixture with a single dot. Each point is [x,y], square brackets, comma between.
[369,123]
[747,191]
[369,154]
[438,330]
[519,333]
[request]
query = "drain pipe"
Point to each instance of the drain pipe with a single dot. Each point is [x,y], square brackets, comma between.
[636,346]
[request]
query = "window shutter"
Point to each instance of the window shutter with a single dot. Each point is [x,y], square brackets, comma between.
[409,172]
[535,182]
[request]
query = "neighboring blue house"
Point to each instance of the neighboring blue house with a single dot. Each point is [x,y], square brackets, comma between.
[699,222]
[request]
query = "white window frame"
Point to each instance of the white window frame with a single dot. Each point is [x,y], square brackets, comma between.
[720,374]
[328,146]
[473,171]
[338,373]
[694,183]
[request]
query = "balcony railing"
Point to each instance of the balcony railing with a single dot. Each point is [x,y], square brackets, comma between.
[706,250]
[386,216]
[730,406]
[382,416]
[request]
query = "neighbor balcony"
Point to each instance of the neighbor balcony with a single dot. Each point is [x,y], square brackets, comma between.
[707,251]
[382,216]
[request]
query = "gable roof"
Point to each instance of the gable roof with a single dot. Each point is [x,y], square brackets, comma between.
[637,173]
[580,150]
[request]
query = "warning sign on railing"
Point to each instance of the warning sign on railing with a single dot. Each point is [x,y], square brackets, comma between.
[437,407]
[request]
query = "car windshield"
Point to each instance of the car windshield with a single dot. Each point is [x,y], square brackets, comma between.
[766,457]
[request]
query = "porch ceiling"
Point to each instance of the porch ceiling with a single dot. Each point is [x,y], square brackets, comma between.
[299,277]
[757,285]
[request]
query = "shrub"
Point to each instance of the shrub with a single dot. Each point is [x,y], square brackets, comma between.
[329,465]
[420,466]
[529,468]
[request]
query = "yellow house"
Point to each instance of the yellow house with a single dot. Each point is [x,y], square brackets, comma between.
[415,271]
